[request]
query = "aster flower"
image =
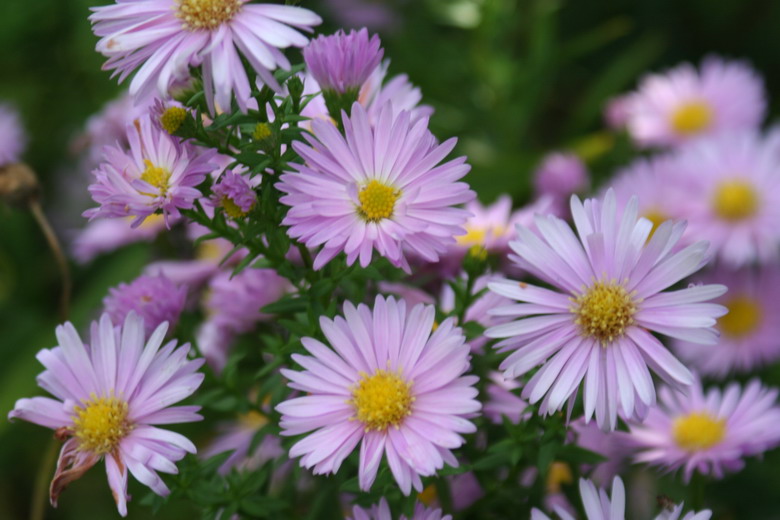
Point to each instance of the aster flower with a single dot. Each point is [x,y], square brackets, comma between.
[683,103]
[709,433]
[103,235]
[502,401]
[379,188]
[391,383]
[398,91]
[732,195]
[381,511]
[161,39]
[599,506]
[234,194]
[12,136]
[237,437]
[342,62]
[559,176]
[749,333]
[158,173]
[108,397]
[595,328]
[610,445]
[156,299]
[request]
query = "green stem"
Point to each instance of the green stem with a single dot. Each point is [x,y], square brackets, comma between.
[41,488]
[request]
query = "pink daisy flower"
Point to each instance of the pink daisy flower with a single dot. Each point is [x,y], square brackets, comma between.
[502,400]
[158,173]
[398,91]
[749,333]
[342,62]
[683,103]
[375,188]
[389,382]
[233,193]
[710,433]
[156,299]
[559,176]
[595,328]
[108,396]
[161,39]
[381,511]
[237,437]
[12,136]
[103,235]
[731,193]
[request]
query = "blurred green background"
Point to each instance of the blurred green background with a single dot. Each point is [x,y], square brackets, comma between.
[512,79]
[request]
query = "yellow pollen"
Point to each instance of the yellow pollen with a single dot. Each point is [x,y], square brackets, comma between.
[156,176]
[429,496]
[172,119]
[698,431]
[559,474]
[232,209]
[692,118]
[262,132]
[100,424]
[209,250]
[657,218]
[474,236]
[377,201]
[198,15]
[382,400]
[735,200]
[253,419]
[604,311]
[744,317]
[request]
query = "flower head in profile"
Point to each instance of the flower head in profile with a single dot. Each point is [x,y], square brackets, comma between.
[389,382]
[594,327]
[108,397]
[156,299]
[102,235]
[684,103]
[709,433]
[749,333]
[342,62]
[377,188]
[600,506]
[161,39]
[234,195]
[731,195]
[158,173]
[12,136]
[381,511]
[237,438]
[502,400]
[559,176]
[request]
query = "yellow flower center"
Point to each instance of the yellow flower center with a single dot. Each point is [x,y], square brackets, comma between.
[604,311]
[559,474]
[172,119]
[198,15]
[156,176]
[232,209]
[698,431]
[743,318]
[100,424]
[262,132]
[377,201]
[474,237]
[209,250]
[382,400]
[735,200]
[657,218]
[692,117]
[429,495]
[253,419]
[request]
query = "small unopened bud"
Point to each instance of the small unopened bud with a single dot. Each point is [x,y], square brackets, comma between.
[295,88]
[18,184]
[262,132]
[172,119]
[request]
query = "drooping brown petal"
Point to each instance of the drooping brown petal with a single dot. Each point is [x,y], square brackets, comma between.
[71,465]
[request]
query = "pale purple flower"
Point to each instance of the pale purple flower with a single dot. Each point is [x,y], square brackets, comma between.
[559,176]
[233,194]
[749,333]
[379,187]
[158,173]
[616,112]
[610,445]
[12,136]
[398,92]
[156,299]
[594,326]
[108,395]
[388,381]
[381,511]
[342,62]
[236,437]
[502,400]
[103,235]
[684,103]
[707,433]
[730,195]
[161,39]
[233,306]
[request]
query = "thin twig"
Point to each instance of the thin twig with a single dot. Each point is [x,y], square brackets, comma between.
[59,256]
[41,489]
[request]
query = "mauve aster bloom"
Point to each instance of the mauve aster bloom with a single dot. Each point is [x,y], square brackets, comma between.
[342,62]
[161,39]
[237,437]
[610,445]
[391,383]
[730,193]
[398,91]
[683,103]
[103,235]
[158,173]
[502,401]
[595,329]
[559,176]
[599,506]
[709,433]
[749,333]
[234,194]
[381,187]
[156,299]
[381,511]
[109,394]
[12,136]
[479,310]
